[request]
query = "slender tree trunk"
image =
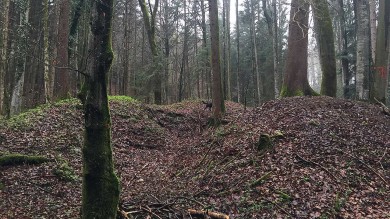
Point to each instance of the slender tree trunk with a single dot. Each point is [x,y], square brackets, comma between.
[363,48]
[228,50]
[255,63]
[218,101]
[206,68]
[325,41]
[373,27]
[100,184]
[238,53]
[150,22]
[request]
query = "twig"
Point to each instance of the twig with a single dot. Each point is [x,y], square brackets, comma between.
[317,164]
[191,199]
[370,168]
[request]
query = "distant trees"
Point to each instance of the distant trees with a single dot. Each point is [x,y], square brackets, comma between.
[163,52]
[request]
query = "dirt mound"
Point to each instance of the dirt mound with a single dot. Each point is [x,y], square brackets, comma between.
[298,157]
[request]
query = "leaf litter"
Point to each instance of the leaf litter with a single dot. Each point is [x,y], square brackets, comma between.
[330,160]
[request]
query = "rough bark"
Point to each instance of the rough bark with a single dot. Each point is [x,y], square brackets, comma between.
[100,184]
[325,41]
[295,78]
[218,101]
[363,48]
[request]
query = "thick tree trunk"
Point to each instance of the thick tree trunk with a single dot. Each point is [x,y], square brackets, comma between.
[238,53]
[325,41]
[228,51]
[33,88]
[218,101]
[380,74]
[363,48]
[295,78]
[100,184]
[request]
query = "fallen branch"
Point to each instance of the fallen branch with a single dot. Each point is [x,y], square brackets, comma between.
[385,109]
[204,214]
[317,164]
[361,161]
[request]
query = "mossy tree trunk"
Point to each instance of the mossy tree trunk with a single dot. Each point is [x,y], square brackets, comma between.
[295,81]
[100,184]
[325,39]
[150,26]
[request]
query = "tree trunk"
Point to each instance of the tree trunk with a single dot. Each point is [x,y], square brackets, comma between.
[373,27]
[3,50]
[255,62]
[238,53]
[325,42]
[295,78]
[33,88]
[380,73]
[363,48]
[218,101]
[150,22]
[228,52]
[100,184]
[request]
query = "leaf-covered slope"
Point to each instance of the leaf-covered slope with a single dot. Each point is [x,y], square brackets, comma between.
[331,161]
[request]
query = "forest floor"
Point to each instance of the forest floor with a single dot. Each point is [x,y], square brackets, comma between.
[327,158]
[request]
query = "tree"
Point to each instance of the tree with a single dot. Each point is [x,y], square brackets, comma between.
[325,41]
[218,100]
[362,47]
[295,78]
[3,48]
[100,184]
[150,26]
[238,53]
[61,78]
[380,73]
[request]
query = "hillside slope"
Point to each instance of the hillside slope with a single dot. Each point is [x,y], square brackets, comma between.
[327,158]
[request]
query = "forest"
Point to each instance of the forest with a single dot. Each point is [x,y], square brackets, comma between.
[194,109]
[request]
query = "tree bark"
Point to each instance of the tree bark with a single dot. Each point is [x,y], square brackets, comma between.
[218,101]
[380,74]
[373,27]
[325,41]
[3,50]
[100,184]
[363,48]
[295,79]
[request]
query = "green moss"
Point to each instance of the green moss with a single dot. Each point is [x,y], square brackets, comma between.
[70,101]
[122,98]
[265,142]
[2,186]
[20,159]
[64,171]
[285,92]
